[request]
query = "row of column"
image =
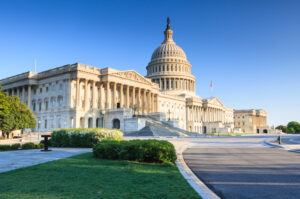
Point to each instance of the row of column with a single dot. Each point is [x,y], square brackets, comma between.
[11,92]
[143,100]
[175,84]
[209,114]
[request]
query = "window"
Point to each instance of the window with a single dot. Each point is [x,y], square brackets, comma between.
[33,105]
[46,105]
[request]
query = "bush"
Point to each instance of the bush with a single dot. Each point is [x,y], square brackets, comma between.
[4,147]
[83,137]
[157,151]
[49,142]
[28,145]
[15,146]
[31,145]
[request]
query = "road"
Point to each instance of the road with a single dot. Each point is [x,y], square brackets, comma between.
[241,167]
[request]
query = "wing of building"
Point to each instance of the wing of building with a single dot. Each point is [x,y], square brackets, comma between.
[79,95]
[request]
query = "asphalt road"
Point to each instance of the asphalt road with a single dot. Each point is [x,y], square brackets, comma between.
[237,168]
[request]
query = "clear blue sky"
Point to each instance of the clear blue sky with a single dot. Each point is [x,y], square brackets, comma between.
[250,49]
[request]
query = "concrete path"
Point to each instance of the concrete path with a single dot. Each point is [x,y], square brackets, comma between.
[240,167]
[10,160]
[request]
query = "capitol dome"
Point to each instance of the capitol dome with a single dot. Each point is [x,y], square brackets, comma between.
[169,67]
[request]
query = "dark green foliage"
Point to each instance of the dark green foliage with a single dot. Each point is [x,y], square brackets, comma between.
[5,147]
[49,142]
[107,149]
[282,127]
[14,114]
[28,145]
[83,137]
[157,151]
[15,146]
[31,145]
[293,127]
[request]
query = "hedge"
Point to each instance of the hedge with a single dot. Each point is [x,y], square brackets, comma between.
[28,145]
[155,151]
[83,137]
[31,145]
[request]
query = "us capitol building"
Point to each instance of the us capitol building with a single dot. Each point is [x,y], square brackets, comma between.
[79,95]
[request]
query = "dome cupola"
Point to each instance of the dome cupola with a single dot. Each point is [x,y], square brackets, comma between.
[169,66]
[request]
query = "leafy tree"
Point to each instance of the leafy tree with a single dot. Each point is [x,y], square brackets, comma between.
[282,127]
[14,114]
[293,127]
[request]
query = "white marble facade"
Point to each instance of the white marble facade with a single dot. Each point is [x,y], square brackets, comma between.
[79,95]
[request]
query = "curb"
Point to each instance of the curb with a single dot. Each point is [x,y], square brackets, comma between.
[192,179]
[267,143]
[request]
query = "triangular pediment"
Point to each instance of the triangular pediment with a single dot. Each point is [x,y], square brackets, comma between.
[133,75]
[214,101]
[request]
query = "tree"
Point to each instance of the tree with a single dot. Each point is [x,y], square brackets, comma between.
[293,127]
[14,115]
[282,128]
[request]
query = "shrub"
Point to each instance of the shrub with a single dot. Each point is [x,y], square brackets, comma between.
[4,147]
[157,151]
[83,137]
[28,145]
[107,149]
[15,146]
[49,142]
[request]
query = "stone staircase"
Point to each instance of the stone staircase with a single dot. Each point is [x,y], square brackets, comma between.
[158,128]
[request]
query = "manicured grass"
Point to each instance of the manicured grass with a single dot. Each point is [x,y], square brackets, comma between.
[83,176]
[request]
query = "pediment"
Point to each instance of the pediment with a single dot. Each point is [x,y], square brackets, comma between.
[214,101]
[132,75]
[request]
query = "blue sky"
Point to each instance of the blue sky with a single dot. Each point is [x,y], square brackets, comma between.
[250,49]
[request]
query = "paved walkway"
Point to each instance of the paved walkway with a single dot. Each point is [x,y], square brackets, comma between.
[10,160]
[240,167]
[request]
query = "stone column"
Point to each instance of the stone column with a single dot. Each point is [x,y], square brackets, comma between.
[108,97]
[114,96]
[127,96]
[101,96]
[77,91]
[133,97]
[156,105]
[85,94]
[139,103]
[23,93]
[121,97]
[29,96]
[144,102]
[149,104]
[94,96]
[18,92]
[152,100]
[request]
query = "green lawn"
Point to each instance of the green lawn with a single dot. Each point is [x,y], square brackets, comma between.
[85,177]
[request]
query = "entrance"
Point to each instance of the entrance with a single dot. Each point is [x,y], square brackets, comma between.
[204,129]
[116,124]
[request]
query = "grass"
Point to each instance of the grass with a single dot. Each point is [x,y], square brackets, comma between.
[83,176]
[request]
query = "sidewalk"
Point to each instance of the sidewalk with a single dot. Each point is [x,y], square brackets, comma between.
[10,160]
